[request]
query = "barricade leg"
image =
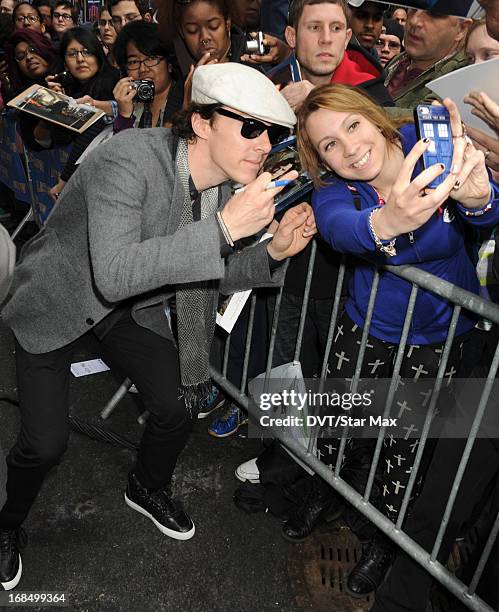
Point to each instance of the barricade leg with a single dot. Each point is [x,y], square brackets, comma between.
[116,399]
[27,217]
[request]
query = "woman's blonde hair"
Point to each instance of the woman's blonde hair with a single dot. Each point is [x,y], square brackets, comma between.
[345,99]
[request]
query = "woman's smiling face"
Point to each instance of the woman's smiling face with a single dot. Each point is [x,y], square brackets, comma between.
[348,143]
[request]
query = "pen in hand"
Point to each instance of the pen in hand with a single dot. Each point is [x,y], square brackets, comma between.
[271,185]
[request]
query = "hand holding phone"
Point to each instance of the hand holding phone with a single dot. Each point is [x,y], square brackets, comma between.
[433,122]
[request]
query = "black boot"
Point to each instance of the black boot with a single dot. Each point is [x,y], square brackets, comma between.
[321,502]
[371,569]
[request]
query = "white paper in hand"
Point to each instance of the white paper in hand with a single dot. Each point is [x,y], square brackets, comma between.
[458,84]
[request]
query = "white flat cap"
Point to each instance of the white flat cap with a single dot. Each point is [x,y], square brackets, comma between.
[244,89]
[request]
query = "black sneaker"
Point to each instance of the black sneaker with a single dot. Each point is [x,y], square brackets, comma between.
[165,512]
[11,566]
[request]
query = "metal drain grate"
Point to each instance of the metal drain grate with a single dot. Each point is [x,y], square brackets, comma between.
[318,571]
[319,567]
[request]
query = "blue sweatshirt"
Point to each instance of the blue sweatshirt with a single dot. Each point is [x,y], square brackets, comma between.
[437,247]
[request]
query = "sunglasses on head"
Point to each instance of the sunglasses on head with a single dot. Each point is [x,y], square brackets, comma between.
[252,128]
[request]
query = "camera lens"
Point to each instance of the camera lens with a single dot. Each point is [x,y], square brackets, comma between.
[252,46]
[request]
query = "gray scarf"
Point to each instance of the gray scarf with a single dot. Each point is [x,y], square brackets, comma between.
[196,303]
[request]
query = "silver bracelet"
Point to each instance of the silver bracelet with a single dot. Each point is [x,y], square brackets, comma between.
[224,229]
[388,249]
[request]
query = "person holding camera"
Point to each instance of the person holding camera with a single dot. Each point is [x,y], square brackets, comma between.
[148,96]
[146,226]
[90,79]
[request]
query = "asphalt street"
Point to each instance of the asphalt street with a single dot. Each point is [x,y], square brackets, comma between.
[84,541]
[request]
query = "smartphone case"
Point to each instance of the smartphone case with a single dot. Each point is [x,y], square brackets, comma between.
[433,122]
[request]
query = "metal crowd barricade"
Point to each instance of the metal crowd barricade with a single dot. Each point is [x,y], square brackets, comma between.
[460,299]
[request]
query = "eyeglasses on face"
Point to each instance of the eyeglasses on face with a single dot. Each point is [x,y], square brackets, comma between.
[104,22]
[22,55]
[126,18]
[252,128]
[63,16]
[149,62]
[28,18]
[74,53]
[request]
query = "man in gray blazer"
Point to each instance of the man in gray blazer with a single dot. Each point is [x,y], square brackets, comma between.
[136,252]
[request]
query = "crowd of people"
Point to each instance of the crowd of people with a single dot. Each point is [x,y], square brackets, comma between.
[147,231]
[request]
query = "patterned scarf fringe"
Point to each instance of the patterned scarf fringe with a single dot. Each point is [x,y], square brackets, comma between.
[193,395]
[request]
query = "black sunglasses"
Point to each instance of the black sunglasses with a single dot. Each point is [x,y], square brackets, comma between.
[252,128]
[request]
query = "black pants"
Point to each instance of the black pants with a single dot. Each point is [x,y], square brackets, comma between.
[258,352]
[420,361]
[407,586]
[43,389]
[314,333]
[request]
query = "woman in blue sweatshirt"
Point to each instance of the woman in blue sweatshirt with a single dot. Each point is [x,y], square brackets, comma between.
[376,204]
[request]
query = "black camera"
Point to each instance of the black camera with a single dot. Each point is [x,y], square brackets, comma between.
[64,79]
[255,46]
[145,90]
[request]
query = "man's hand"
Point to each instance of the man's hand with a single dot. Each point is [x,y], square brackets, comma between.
[277,51]
[246,213]
[484,107]
[295,93]
[488,144]
[293,233]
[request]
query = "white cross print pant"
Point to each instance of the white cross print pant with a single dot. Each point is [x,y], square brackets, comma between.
[420,362]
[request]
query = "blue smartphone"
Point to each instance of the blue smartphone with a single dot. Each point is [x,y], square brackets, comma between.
[433,122]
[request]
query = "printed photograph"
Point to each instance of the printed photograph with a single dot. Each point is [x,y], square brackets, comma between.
[56,107]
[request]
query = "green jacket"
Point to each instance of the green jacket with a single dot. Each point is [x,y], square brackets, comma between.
[416,91]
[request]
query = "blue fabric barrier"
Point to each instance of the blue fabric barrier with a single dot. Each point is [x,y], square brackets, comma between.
[11,167]
[45,167]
